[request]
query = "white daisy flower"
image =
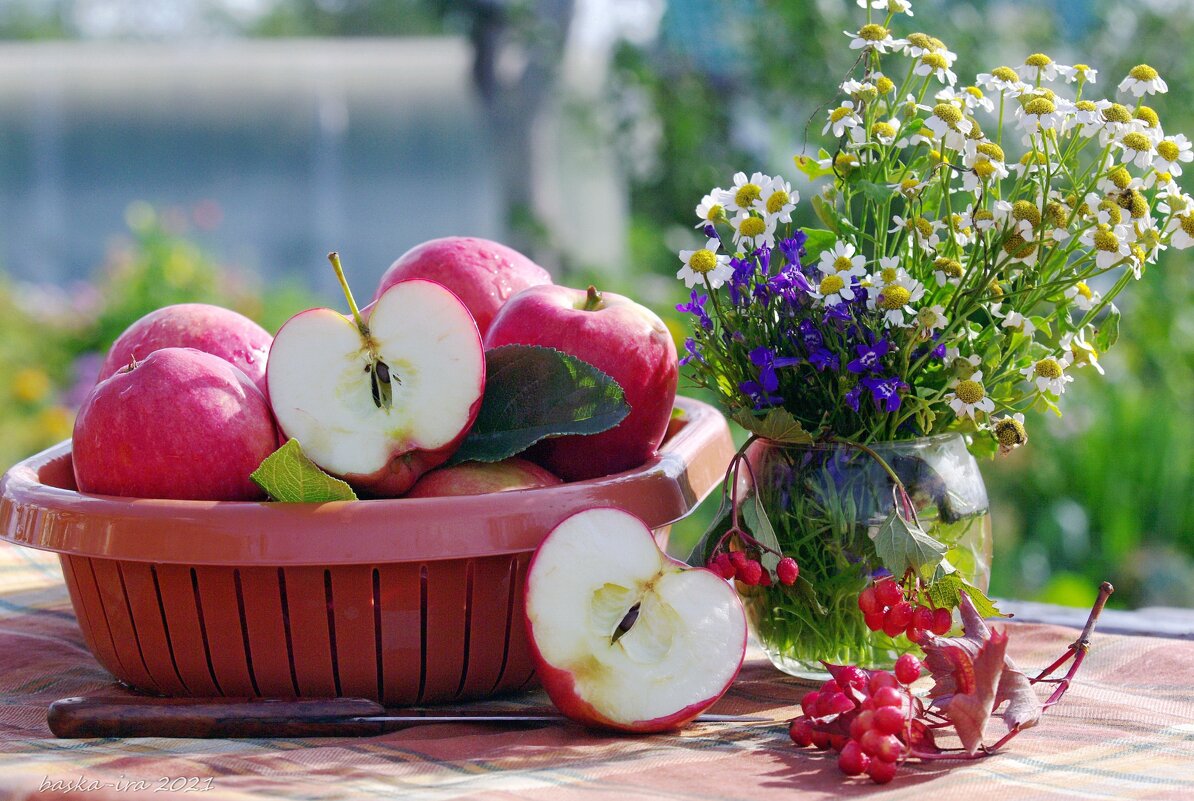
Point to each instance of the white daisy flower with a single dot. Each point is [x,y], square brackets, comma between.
[919,229]
[974,99]
[1049,374]
[1136,148]
[949,124]
[1088,115]
[889,272]
[931,318]
[833,289]
[1082,353]
[962,366]
[884,131]
[969,396]
[1001,80]
[841,119]
[1182,229]
[917,44]
[1015,321]
[1039,114]
[1078,72]
[891,6]
[1109,244]
[778,200]
[1010,433]
[842,260]
[937,64]
[705,264]
[752,230]
[875,37]
[1143,79]
[711,210]
[1171,153]
[895,300]
[746,193]
[1036,67]
[1082,296]
[948,271]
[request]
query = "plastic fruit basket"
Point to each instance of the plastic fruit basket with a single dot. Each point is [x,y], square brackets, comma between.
[404,601]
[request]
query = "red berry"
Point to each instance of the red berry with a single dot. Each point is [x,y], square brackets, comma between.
[820,738]
[888,592]
[787,570]
[809,703]
[881,772]
[853,762]
[888,696]
[750,573]
[922,618]
[737,558]
[838,741]
[868,602]
[907,668]
[891,627]
[851,676]
[914,634]
[801,732]
[943,621]
[880,679]
[864,722]
[900,615]
[722,566]
[888,720]
[833,704]
[765,581]
[870,741]
[873,620]
[887,747]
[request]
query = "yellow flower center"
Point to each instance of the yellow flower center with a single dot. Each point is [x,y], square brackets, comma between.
[1120,177]
[974,92]
[842,263]
[747,194]
[777,201]
[872,32]
[845,162]
[752,226]
[885,85]
[948,112]
[950,267]
[990,150]
[889,274]
[1164,177]
[702,261]
[1187,223]
[1038,60]
[716,212]
[1137,205]
[1143,72]
[894,297]
[923,227]
[1085,105]
[1105,239]
[984,169]
[1084,290]
[969,391]
[1018,247]
[1137,141]
[1048,368]
[1081,69]
[1024,210]
[996,289]
[1056,214]
[1117,112]
[921,40]
[926,317]
[1033,157]
[1005,74]
[1148,116]
[983,214]
[1010,433]
[1169,150]
[1113,213]
[831,284]
[884,130]
[934,61]
[1039,106]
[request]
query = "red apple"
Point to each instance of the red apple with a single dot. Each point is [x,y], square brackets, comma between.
[212,329]
[619,337]
[379,397]
[483,274]
[481,478]
[179,424]
[624,637]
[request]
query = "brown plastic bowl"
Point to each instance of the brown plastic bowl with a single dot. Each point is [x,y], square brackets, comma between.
[404,601]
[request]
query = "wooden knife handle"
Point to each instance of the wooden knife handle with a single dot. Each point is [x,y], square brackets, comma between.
[136,716]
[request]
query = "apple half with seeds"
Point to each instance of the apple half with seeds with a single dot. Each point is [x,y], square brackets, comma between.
[624,637]
[379,397]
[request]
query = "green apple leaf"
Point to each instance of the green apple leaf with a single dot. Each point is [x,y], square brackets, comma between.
[946,591]
[902,545]
[778,425]
[533,392]
[290,476]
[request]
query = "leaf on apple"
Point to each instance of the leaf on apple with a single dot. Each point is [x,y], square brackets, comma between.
[902,545]
[531,393]
[944,661]
[778,425]
[288,475]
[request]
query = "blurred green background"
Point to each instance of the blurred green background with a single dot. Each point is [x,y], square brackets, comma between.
[582,131]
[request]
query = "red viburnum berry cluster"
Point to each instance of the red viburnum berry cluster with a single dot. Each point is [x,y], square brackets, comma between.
[885,607]
[878,714]
[738,565]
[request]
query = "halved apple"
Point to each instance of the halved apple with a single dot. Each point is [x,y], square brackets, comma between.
[382,396]
[624,637]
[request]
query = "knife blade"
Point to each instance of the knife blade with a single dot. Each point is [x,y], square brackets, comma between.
[143,716]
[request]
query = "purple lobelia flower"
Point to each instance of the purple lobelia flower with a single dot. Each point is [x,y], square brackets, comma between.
[762,392]
[793,248]
[870,357]
[885,391]
[696,307]
[694,352]
[823,359]
[853,396]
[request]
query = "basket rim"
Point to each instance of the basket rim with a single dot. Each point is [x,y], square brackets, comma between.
[689,465]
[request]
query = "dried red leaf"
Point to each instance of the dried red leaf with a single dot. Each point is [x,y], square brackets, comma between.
[970,709]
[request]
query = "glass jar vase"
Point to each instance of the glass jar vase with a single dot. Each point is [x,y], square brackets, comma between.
[826,503]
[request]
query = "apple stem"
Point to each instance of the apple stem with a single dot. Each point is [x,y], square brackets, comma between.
[334,258]
[592,299]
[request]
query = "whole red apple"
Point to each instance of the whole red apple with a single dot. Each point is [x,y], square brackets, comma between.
[483,274]
[179,424]
[618,336]
[212,329]
[481,478]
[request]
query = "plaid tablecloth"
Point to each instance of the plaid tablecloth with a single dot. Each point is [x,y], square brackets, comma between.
[1126,730]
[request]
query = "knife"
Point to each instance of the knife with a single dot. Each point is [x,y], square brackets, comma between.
[144,716]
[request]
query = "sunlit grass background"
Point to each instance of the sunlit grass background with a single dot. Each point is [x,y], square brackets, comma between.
[666,100]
